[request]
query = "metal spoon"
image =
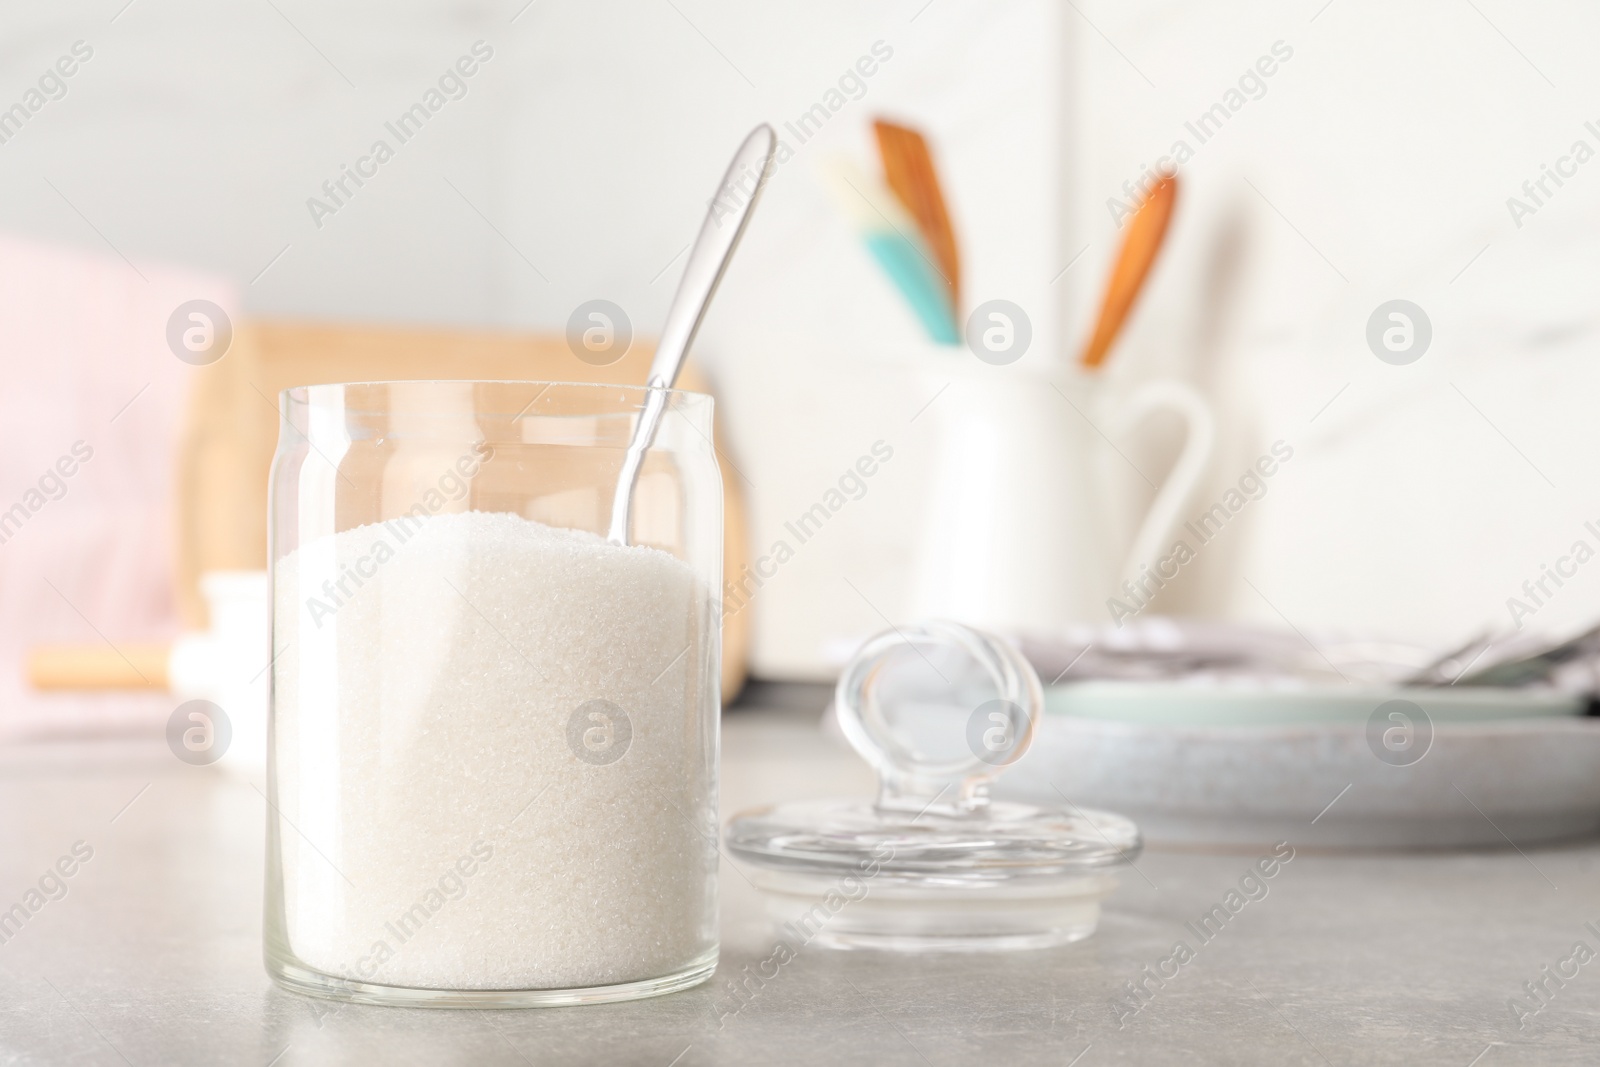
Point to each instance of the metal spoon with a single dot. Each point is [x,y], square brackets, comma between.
[1462,658]
[719,236]
[1537,667]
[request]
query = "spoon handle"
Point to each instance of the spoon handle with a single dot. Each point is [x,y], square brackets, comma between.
[725,223]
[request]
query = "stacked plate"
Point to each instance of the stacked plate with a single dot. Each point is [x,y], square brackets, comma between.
[1334,767]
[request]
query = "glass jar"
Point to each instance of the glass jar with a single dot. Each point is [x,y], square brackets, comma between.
[493,744]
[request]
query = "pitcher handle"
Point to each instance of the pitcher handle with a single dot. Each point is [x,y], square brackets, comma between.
[1200,435]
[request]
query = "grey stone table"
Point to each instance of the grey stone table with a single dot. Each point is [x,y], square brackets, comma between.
[152,956]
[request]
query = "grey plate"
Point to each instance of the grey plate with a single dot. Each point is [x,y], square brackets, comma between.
[1486,783]
[1185,704]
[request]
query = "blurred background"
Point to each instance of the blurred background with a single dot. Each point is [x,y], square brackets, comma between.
[1333,156]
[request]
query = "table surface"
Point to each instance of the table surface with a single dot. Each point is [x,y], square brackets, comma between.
[153,956]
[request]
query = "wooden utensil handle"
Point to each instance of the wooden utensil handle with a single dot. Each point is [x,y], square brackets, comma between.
[1146,231]
[54,667]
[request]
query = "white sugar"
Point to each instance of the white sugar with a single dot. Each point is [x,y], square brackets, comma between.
[438,829]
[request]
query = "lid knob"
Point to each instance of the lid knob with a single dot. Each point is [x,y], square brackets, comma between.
[998,731]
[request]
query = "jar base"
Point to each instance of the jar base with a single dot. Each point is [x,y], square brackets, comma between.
[296,977]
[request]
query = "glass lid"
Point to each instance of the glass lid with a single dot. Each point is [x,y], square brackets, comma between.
[933,843]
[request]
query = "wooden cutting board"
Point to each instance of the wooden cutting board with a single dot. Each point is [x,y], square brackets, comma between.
[232,431]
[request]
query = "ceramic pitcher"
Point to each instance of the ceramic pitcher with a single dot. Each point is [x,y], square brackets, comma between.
[1025,529]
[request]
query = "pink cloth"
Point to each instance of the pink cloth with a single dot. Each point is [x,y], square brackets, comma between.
[94,390]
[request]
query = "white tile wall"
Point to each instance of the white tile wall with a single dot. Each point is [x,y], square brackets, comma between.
[1375,164]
